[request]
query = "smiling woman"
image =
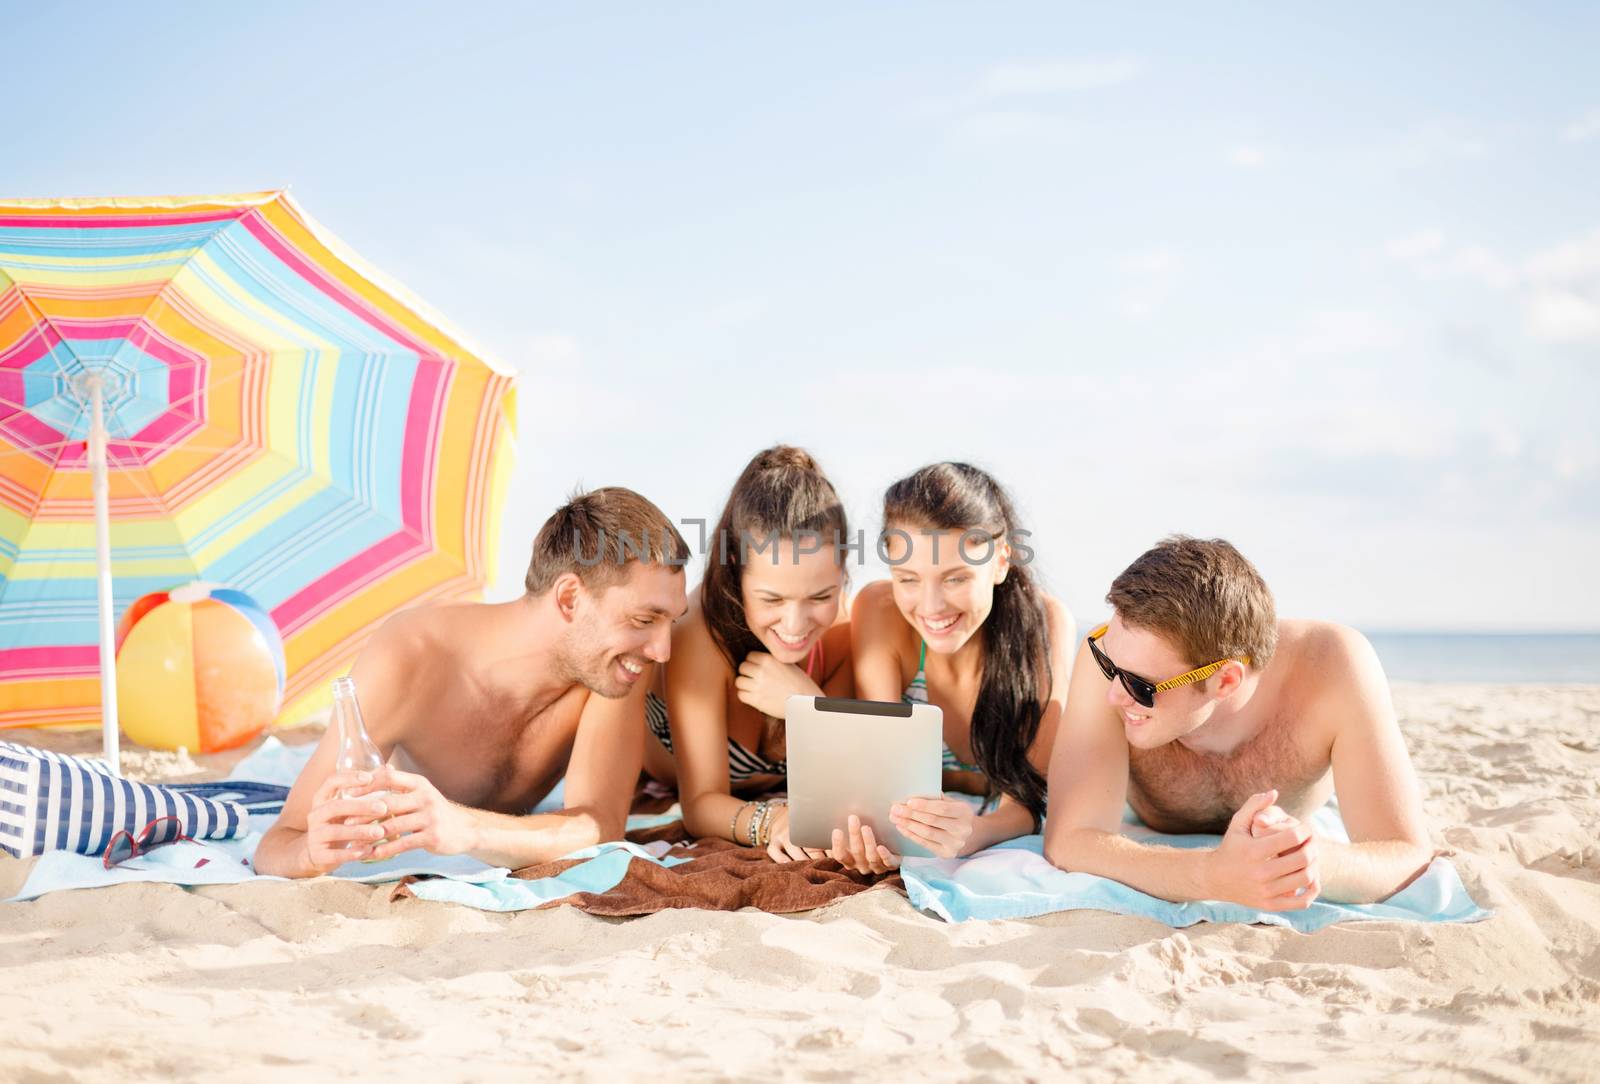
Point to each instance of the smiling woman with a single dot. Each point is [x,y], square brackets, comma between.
[766,623]
[963,624]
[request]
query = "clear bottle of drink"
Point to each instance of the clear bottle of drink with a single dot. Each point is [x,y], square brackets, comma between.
[357,751]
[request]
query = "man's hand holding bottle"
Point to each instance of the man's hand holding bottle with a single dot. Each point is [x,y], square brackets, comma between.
[371,816]
[344,822]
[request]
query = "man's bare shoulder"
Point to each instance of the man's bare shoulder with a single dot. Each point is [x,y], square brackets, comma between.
[1330,672]
[422,633]
[1324,652]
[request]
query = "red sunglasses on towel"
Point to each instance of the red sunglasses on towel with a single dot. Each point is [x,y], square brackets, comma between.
[125,845]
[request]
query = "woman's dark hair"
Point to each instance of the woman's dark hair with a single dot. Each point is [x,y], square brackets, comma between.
[781,494]
[1015,680]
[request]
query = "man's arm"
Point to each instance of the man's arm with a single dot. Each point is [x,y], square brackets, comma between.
[1089,786]
[309,836]
[1088,789]
[1379,798]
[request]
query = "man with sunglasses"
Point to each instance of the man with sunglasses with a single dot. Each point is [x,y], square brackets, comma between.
[1200,709]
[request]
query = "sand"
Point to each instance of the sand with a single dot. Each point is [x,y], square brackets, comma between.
[325,981]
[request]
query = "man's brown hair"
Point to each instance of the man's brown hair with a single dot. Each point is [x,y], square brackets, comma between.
[1202,595]
[596,534]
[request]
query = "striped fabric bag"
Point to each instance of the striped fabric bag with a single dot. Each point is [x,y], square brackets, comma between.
[54,802]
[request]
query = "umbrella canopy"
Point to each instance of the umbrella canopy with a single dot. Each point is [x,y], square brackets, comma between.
[277,418]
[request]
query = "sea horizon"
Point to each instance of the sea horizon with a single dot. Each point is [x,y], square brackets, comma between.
[1494,657]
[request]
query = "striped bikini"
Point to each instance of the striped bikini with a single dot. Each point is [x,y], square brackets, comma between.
[743,764]
[917,693]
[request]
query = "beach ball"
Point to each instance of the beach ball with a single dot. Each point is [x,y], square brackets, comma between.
[199,667]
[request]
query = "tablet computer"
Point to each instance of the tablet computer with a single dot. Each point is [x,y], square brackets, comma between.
[861,757]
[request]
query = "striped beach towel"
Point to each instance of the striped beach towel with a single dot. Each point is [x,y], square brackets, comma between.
[55,802]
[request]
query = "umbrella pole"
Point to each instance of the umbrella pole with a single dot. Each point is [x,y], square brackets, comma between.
[102,554]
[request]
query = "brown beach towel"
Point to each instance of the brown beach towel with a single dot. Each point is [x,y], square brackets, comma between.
[718,876]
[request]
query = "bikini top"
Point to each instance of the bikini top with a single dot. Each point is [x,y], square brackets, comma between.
[917,693]
[743,763]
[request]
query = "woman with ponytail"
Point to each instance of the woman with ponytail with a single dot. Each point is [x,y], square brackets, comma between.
[962,623]
[767,622]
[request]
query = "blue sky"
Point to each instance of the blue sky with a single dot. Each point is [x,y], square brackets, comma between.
[1325,282]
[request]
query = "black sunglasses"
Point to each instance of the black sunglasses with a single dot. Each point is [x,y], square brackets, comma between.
[1143,690]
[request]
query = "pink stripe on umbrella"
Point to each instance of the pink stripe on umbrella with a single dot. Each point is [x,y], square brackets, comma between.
[44,662]
[34,344]
[347,580]
[85,221]
[332,287]
[423,418]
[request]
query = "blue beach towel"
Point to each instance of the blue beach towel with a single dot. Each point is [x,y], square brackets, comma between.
[258,784]
[1013,880]
[606,866]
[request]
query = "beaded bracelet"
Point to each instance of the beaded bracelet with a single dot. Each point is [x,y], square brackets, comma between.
[766,825]
[755,822]
[733,825]
[766,822]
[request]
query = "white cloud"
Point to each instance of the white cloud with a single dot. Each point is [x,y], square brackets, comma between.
[1148,275]
[1342,332]
[1027,78]
[1158,262]
[1018,102]
[1430,255]
[1570,261]
[1247,157]
[1584,128]
[1564,316]
[1426,145]
[983,129]
[1478,262]
[1415,247]
[1558,287]
[1563,303]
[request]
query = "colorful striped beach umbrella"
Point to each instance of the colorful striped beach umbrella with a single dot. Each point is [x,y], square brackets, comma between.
[275,416]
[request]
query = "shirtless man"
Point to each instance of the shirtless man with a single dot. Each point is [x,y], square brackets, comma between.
[1248,748]
[479,709]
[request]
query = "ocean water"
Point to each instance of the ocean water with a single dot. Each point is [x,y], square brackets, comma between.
[1511,658]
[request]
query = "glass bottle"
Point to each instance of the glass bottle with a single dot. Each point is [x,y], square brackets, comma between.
[357,751]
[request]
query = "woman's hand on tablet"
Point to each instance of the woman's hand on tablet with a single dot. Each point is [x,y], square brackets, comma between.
[943,825]
[856,848]
[780,848]
[767,684]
